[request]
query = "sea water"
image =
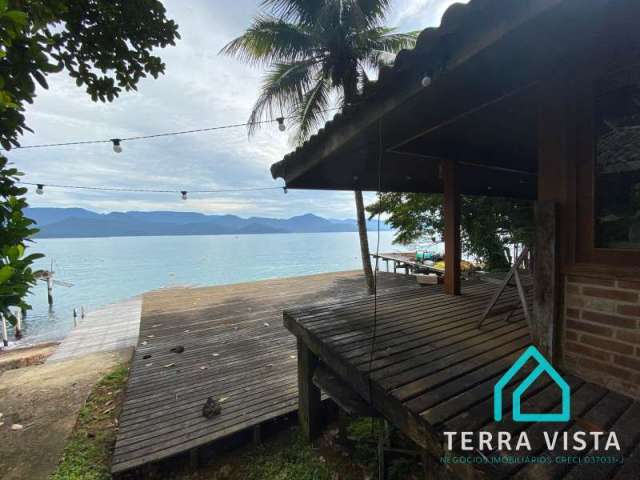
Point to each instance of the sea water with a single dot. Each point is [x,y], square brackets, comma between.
[109,270]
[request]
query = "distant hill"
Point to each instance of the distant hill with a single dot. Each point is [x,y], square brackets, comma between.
[78,222]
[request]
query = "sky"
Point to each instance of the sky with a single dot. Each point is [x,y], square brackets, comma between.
[199,89]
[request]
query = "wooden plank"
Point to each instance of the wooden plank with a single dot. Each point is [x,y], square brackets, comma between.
[254,368]
[546,279]
[308,393]
[452,246]
[629,470]
[600,416]
[626,428]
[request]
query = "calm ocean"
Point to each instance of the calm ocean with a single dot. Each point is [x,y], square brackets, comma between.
[108,270]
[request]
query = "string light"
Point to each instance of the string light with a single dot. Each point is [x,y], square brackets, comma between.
[117,142]
[116,145]
[183,193]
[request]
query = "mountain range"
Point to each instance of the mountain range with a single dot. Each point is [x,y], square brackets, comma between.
[78,222]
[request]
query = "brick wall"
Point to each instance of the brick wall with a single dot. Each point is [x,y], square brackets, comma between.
[602,332]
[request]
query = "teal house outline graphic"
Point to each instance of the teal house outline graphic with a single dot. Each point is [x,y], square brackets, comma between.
[543,366]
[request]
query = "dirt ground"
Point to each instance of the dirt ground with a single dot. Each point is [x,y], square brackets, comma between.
[24,357]
[44,400]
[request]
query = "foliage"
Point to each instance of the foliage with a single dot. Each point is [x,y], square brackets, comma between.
[87,454]
[315,49]
[16,275]
[488,224]
[106,46]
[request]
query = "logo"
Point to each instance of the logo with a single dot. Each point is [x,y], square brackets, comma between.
[543,367]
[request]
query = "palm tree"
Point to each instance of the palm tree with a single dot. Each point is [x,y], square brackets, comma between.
[318,53]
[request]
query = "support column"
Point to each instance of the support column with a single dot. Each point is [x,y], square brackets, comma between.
[452,248]
[546,280]
[308,394]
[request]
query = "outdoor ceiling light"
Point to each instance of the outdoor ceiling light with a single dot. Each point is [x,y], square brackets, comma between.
[426,81]
[40,189]
[116,145]
[281,126]
[184,194]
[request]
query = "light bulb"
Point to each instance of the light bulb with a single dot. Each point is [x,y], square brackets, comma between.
[116,145]
[426,81]
[184,194]
[281,126]
[40,189]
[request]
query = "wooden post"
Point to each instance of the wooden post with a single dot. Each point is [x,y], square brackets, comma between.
[308,393]
[5,336]
[18,330]
[50,290]
[546,279]
[452,248]
[194,458]
[257,434]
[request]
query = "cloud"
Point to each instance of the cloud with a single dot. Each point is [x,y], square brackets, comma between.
[200,89]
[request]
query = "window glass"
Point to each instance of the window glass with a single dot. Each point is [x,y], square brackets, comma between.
[617,169]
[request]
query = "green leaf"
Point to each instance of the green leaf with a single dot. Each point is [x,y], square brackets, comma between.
[17,17]
[6,273]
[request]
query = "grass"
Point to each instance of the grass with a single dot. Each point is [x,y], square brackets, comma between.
[87,455]
[287,456]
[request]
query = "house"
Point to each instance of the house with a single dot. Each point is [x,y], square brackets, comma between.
[532,99]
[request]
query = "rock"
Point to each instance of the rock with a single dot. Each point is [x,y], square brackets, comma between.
[225,471]
[178,349]
[211,408]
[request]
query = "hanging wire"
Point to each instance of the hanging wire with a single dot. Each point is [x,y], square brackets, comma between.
[147,190]
[279,120]
[375,280]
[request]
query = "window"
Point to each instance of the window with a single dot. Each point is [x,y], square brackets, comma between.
[617,166]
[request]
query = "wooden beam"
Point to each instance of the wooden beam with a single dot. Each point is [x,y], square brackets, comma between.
[452,249]
[546,280]
[308,393]
[341,393]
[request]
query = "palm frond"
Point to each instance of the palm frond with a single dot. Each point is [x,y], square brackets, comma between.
[269,40]
[283,88]
[365,13]
[310,113]
[378,46]
[394,42]
[297,11]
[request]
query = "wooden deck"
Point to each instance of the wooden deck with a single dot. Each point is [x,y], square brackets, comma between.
[235,348]
[432,370]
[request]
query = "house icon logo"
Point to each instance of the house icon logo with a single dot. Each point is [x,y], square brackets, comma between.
[543,367]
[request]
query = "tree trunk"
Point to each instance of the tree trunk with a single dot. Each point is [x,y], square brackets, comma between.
[364,242]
